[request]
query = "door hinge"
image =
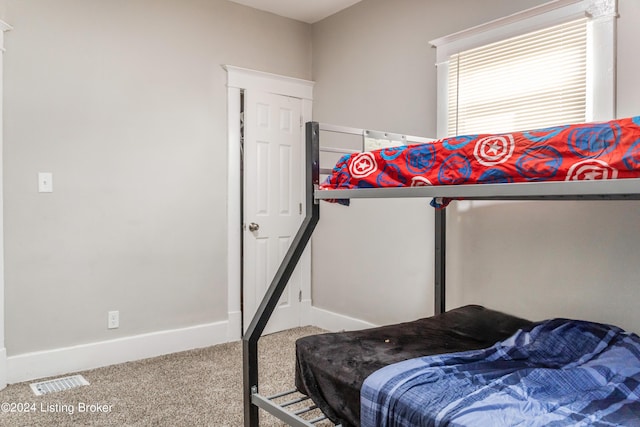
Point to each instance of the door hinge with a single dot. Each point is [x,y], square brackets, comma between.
[299,296]
[300,208]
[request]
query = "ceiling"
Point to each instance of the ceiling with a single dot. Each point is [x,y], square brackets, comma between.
[309,11]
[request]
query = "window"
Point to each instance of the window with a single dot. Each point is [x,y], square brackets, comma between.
[546,66]
[535,80]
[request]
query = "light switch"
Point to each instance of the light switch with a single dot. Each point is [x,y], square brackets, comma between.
[45,182]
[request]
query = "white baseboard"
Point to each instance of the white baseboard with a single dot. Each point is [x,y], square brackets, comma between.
[336,322]
[41,364]
[61,361]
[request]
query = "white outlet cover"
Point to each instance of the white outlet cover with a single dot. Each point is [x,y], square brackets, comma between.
[113,320]
[45,182]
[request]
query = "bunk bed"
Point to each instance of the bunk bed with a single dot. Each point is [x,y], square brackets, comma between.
[597,161]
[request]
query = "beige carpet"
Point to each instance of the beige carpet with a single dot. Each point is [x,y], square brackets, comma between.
[194,388]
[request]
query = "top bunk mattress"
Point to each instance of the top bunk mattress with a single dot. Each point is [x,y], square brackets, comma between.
[577,152]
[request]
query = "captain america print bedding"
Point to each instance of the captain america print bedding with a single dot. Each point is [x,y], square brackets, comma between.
[588,151]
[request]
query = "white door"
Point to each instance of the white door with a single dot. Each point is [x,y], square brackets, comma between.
[272,201]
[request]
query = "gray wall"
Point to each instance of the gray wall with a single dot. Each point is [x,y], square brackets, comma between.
[125,103]
[374,69]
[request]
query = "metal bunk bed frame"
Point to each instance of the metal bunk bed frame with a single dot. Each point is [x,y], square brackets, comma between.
[623,189]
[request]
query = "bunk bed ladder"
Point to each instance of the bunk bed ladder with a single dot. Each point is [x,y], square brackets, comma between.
[252,398]
[293,417]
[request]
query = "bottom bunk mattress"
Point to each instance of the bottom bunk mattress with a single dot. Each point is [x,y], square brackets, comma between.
[558,372]
[331,368]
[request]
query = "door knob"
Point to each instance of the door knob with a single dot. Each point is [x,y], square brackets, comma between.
[254,227]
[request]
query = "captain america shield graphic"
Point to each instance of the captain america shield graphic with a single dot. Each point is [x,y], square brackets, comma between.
[363,165]
[591,170]
[493,150]
[420,181]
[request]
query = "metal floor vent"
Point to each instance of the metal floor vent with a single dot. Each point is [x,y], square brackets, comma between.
[59,384]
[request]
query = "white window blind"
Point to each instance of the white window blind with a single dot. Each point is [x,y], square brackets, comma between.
[530,81]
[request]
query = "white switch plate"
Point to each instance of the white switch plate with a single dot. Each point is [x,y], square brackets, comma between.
[45,182]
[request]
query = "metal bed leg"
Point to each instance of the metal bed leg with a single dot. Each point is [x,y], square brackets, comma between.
[281,278]
[440,260]
[250,380]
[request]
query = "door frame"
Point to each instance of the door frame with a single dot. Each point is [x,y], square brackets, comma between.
[239,79]
[4,27]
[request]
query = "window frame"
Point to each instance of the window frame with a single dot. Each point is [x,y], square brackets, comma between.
[601,49]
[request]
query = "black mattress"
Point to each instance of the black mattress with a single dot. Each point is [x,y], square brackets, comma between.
[330,368]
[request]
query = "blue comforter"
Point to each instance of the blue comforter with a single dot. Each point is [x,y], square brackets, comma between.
[557,373]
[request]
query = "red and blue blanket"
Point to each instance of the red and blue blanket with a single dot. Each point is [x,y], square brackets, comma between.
[587,151]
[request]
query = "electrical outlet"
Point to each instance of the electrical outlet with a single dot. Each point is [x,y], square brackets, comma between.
[113,319]
[45,182]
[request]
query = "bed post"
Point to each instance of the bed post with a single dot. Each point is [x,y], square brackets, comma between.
[440,259]
[281,278]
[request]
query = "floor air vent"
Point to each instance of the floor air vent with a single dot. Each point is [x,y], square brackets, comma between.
[59,384]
